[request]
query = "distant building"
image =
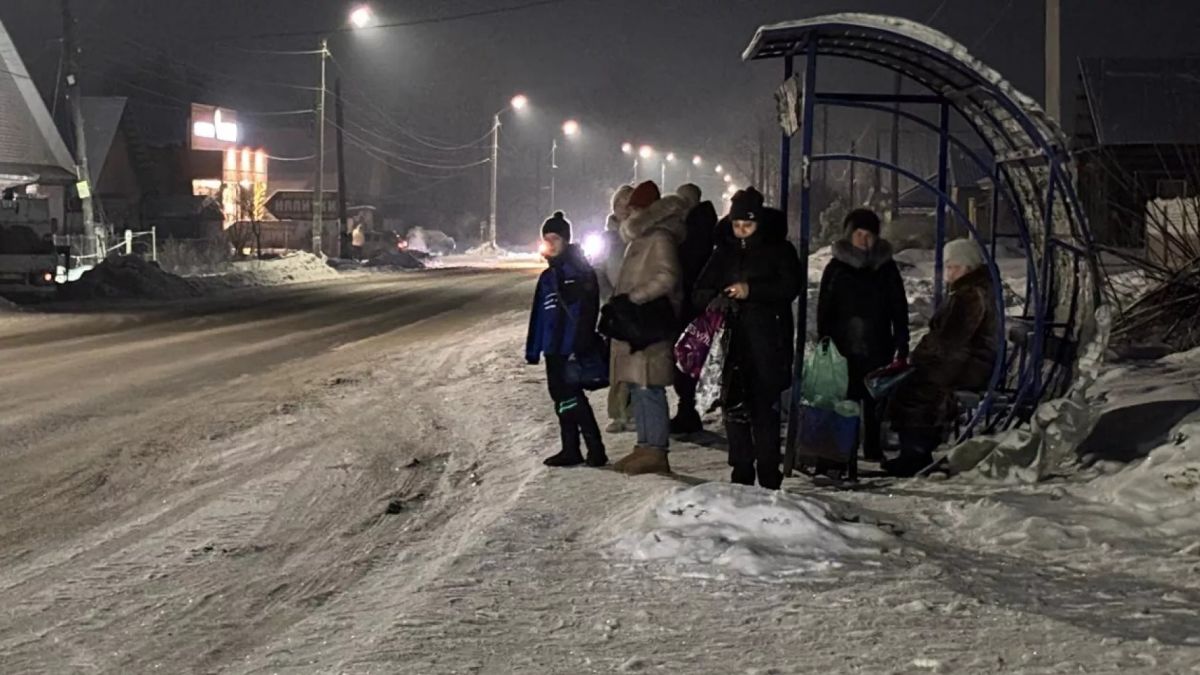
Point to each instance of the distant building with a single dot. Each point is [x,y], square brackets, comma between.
[1137,142]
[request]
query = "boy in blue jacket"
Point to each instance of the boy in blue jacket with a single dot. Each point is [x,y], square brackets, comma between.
[562,325]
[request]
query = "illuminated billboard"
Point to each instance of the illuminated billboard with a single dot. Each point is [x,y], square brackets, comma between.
[214,128]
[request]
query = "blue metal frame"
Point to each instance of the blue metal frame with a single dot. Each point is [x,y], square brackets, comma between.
[927,65]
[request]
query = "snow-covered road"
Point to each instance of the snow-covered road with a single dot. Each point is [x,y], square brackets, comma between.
[346,478]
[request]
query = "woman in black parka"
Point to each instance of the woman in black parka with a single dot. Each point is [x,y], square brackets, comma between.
[864,310]
[755,273]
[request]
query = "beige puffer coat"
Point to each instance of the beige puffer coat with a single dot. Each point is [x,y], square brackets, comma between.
[651,270]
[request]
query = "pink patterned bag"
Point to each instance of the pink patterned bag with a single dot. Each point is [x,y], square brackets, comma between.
[691,350]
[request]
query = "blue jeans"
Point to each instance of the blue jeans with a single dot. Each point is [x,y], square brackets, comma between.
[652,416]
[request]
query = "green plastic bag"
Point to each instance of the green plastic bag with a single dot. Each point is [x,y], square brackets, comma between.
[826,376]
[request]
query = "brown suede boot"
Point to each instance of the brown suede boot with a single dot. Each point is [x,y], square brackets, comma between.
[651,460]
[620,464]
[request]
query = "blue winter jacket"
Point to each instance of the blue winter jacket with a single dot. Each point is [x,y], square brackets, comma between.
[565,308]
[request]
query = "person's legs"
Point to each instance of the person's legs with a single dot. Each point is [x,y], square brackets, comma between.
[653,431]
[741,450]
[872,442]
[687,418]
[765,418]
[567,406]
[916,451]
[589,428]
[618,407]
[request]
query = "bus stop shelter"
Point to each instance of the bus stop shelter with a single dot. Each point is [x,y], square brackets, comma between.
[1025,155]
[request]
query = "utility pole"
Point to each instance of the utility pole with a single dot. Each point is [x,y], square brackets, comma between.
[853,171]
[1054,59]
[878,170]
[81,159]
[495,178]
[896,148]
[553,169]
[343,218]
[825,145]
[318,225]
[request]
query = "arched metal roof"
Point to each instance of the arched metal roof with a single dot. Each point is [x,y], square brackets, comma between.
[1028,152]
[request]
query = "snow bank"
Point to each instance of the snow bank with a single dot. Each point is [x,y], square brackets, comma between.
[1164,489]
[130,277]
[298,267]
[405,260]
[716,528]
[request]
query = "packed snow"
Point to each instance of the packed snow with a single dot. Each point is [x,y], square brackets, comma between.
[716,528]
[297,267]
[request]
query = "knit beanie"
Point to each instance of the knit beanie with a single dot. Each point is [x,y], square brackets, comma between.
[862,219]
[644,195]
[746,205]
[558,224]
[963,252]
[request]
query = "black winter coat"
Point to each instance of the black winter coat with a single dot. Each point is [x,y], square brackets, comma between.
[863,308]
[694,253]
[763,335]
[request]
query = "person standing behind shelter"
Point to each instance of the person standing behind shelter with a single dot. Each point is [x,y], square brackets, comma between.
[650,271]
[609,268]
[694,253]
[863,308]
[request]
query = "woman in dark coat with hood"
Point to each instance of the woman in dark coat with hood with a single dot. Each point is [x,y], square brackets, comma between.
[864,310]
[755,271]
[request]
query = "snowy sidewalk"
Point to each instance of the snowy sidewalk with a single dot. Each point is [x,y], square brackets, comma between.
[512,567]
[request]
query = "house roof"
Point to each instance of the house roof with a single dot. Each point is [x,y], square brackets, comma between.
[101,119]
[31,149]
[1143,101]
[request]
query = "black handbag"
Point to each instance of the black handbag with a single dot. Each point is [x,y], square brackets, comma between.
[639,325]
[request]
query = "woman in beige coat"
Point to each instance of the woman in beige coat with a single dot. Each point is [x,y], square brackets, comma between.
[650,271]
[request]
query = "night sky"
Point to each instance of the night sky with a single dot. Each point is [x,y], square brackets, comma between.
[664,72]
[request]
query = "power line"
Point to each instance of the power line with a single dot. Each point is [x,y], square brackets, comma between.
[401,158]
[429,142]
[996,22]
[399,24]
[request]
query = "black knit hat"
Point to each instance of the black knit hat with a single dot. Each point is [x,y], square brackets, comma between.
[863,219]
[746,205]
[558,224]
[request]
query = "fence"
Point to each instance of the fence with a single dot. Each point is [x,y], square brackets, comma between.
[131,242]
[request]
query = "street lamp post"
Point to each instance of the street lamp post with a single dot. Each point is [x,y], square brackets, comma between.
[570,128]
[518,103]
[318,206]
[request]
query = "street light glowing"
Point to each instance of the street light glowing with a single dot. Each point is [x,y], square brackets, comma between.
[627,148]
[570,128]
[645,152]
[719,169]
[520,102]
[728,178]
[362,17]
[697,161]
[670,157]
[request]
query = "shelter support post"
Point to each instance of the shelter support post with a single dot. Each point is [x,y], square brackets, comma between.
[808,103]
[939,258]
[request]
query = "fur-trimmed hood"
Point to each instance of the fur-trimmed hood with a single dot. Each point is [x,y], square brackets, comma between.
[613,224]
[878,256]
[666,214]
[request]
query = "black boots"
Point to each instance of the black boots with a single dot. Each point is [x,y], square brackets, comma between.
[686,421]
[575,419]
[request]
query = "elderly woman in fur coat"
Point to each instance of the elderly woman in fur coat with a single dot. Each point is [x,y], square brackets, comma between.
[650,271]
[958,353]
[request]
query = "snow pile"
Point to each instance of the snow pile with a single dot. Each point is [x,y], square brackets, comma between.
[405,260]
[8,306]
[130,277]
[486,250]
[298,267]
[1164,489]
[714,528]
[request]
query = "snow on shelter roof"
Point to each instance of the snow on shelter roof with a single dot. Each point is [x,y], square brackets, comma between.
[1027,149]
[31,149]
[1012,125]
